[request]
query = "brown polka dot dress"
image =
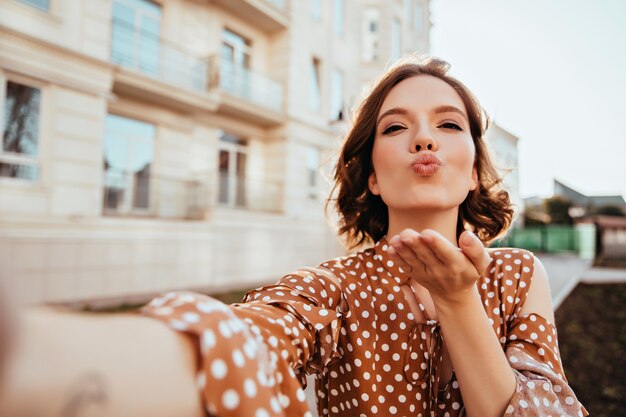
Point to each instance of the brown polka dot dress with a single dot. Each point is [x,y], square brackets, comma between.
[360,339]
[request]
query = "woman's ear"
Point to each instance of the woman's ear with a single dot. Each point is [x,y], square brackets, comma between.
[373,184]
[474,183]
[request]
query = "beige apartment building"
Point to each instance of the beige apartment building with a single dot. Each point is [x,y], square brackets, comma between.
[152,145]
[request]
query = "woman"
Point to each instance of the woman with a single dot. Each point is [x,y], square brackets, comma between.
[425,322]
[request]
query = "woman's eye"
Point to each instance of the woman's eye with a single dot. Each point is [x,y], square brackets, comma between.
[392,129]
[450,125]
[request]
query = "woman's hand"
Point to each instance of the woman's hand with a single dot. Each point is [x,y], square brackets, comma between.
[447,272]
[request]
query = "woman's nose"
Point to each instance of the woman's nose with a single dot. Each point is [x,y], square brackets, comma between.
[423,140]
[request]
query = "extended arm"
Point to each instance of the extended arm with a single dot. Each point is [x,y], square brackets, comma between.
[66,364]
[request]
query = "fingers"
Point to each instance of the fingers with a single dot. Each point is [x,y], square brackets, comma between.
[409,245]
[475,251]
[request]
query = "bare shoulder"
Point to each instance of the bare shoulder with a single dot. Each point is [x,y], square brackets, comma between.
[539,298]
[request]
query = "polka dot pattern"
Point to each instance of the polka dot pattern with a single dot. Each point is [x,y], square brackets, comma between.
[347,323]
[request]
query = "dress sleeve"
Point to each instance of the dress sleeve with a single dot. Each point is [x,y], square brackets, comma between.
[253,356]
[532,351]
[303,311]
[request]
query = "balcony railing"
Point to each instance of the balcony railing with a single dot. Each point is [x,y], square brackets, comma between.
[238,81]
[145,52]
[247,193]
[144,194]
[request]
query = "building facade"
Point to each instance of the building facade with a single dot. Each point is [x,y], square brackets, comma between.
[503,145]
[152,145]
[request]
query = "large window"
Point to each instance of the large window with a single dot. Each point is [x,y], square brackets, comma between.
[315,85]
[20,132]
[40,4]
[128,157]
[339,10]
[395,40]
[135,39]
[235,76]
[232,170]
[336,95]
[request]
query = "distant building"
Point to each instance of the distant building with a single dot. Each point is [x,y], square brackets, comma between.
[150,145]
[503,145]
[586,204]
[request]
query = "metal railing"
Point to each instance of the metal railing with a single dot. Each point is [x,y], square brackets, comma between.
[238,81]
[145,52]
[143,194]
[249,193]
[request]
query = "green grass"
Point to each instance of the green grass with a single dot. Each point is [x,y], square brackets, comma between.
[592,338]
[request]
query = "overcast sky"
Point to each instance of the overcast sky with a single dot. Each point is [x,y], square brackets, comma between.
[552,72]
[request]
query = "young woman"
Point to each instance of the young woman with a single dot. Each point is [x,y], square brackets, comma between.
[425,322]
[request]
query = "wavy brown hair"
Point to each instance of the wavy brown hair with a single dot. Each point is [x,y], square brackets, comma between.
[363,216]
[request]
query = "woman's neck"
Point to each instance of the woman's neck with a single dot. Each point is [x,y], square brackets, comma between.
[440,221]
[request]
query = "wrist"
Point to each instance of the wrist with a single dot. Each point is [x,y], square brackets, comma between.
[458,301]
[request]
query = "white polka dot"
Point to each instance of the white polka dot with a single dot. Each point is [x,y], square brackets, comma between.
[238,358]
[569,400]
[249,387]
[219,369]
[230,399]
[261,412]
[523,404]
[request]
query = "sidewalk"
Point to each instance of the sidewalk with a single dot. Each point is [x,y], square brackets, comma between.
[565,271]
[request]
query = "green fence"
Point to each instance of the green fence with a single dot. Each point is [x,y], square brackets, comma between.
[552,239]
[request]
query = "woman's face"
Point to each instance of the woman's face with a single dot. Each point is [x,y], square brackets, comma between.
[423,154]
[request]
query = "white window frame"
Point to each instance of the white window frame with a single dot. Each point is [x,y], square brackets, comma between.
[313,157]
[15,158]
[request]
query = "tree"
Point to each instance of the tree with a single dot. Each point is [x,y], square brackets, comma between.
[609,211]
[557,208]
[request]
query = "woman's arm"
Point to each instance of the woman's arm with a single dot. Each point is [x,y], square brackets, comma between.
[68,364]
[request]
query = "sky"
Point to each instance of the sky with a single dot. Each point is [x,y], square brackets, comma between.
[553,73]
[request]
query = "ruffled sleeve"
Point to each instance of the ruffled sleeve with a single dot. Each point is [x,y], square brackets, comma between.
[301,317]
[542,389]
[253,356]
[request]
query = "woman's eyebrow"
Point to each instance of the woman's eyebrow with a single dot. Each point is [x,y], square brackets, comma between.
[448,109]
[394,110]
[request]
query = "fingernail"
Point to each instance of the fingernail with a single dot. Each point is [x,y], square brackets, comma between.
[470,237]
[395,240]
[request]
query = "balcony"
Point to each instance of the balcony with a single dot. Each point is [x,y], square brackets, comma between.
[268,15]
[235,191]
[144,195]
[141,194]
[245,93]
[154,70]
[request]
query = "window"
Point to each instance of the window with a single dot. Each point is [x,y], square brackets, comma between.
[316,10]
[40,4]
[418,18]
[128,157]
[371,19]
[315,90]
[235,64]
[20,137]
[135,35]
[395,40]
[338,17]
[336,95]
[312,166]
[232,170]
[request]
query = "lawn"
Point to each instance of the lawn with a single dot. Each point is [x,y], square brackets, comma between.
[592,338]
